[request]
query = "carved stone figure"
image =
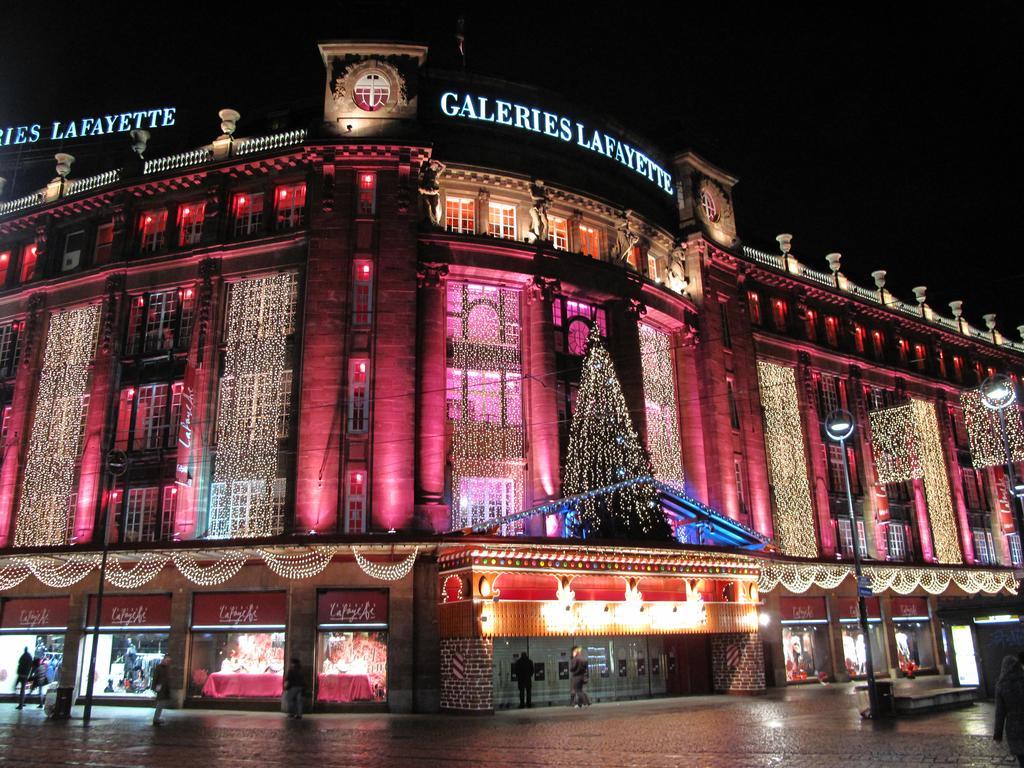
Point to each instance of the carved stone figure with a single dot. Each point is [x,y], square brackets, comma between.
[625,240]
[430,191]
[677,268]
[539,212]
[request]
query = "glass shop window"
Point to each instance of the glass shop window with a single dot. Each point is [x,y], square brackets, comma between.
[290,201]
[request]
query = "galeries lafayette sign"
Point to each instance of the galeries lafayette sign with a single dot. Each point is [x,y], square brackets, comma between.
[487,109]
[352,607]
[94,125]
[240,609]
[132,611]
[35,613]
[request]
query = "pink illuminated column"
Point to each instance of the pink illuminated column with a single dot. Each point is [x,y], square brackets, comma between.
[431,420]
[691,428]
[816,458]
[924,529]
[544,482]
[32,342]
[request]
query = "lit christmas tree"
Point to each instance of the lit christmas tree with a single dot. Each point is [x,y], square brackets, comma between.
[604,450]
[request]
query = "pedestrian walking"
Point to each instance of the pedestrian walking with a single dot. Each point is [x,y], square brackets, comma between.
[578,677]
[24,673]
[524,676]
[162,685]
[39,679]
[1010,707]
[294,685]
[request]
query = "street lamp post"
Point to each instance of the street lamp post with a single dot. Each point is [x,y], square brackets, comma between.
[839,428]
[998,394]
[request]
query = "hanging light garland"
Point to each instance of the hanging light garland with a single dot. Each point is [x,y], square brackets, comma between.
[259,313]
[301,566]
[389,572]
[903,580]
[142,572]
[484,373]
[13,573]
[936,484]
[60,573]
[662,414]
[787,463]
[894,444]
[56,428]
[983,431]
[220,571]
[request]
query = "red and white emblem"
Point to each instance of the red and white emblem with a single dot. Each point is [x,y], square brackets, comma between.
[371,91]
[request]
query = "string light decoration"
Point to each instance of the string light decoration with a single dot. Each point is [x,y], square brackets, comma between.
[142,572]
[662,414]
[983,431]
[60,573]
[603,449]
[485,404]
[903,580]
[13,573]
[300,566]
[388,572]
[222,569]
[56,428]
[906,444]
[259,315]
[787,462]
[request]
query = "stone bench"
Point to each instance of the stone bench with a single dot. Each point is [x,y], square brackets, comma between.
[910,702]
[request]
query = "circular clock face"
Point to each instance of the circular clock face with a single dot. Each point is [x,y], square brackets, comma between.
[371,91]
[709,206]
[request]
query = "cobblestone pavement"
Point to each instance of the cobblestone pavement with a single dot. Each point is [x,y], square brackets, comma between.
[816,727]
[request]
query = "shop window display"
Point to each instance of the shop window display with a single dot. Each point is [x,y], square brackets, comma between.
[124,662]
[913,646]
[49,648]
[807,656]
[353,666]
[854,652]
[243,664]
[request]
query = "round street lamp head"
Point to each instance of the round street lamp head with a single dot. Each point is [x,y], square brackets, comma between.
[839,425]
[997,392]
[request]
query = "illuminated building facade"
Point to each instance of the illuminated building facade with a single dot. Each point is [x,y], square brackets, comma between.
[329,349]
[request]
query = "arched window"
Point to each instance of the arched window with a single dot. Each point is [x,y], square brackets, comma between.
[578,332]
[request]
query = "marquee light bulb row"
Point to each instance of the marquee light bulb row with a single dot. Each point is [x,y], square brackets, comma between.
[259,314]
[603,449]
[906,444]
[787,461]
[488,446]
[56,429]
[983,431]
[662,414]
[903,580]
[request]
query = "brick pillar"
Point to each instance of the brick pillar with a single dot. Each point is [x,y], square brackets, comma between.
[816,465]
[737,663]
[302,634]
[625,351]
[539,378]
[431,421]
[691,428]
[467,670]
[71,661]
[33,340]
[177,642]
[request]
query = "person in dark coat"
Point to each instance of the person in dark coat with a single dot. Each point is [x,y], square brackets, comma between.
[1010,707]
[524,676]
[294,684]
[24,675]
[578,677]
[38,679]
[161,683]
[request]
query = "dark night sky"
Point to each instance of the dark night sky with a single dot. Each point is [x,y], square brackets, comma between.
[890,133]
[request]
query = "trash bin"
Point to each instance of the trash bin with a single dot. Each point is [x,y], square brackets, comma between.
[58,702]
[886,699]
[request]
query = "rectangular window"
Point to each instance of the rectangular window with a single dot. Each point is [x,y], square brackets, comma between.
[366,200]
[983,553]
[920,357]
[82,423]
[152,231]
[558,229]
[811,325]
[190,223]
[5,263]
[284,405]
[362,304]
[74,244]
[737,466]
[754,306]
[634,257]
[878,344]
[169,508]
[958,368]
[897,542]
[248,212]
[140,514]
[151,418]
[233,511]
[291,206]
[1015,552]
[652,268]
[846,537]
[358,396]
[355,502]
[940,358]
[723,313]
[780,314]
[590,241]
[972,489]
[28,262]
[459,215]
[104,244]
[5,425]
[10,349]
[485,498]
[903,348]
[734,414]
[832,330]
[835,468]
[501,220]
[858,338]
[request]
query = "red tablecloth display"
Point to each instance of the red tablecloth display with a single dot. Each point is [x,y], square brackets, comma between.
[221,685]
[344,688]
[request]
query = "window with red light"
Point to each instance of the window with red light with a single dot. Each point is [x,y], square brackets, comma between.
[355,501]
[358,396]
[634,257]
[991,371]
[501,220]
[940,358]
[920,357]
[590,241]
[958,368]
[104,244]
[28,262]
[558,230]
[366,201]
[780,313]
[10,348]
[160,321]
[903,348]
[5,263]
[832,330]
[362,287]
[811,325]
[147,416]
[190,223]
[754,305]
[291,206]
[878,344]
[170,508]
[152,231]
[459,215]
[247,209]
[652,268]
[858,338]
